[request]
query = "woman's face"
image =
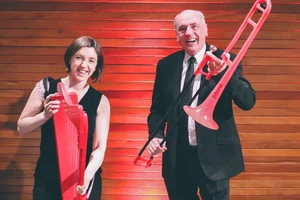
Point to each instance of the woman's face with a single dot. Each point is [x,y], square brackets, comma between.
[83,63]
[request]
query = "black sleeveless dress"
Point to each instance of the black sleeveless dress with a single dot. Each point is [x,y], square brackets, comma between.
[46,172]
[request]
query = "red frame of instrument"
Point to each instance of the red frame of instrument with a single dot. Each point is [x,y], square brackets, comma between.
[71,132]
[203,113]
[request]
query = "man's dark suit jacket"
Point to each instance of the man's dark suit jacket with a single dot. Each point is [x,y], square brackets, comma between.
[219,150]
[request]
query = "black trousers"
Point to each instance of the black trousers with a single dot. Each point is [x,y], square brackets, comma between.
[189,179]
[50,190]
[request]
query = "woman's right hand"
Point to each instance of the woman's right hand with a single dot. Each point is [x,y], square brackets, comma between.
[50,106]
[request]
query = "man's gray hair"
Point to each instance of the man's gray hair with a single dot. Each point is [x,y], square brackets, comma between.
[195,11]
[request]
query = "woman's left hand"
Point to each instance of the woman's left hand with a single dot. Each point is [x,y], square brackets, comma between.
[81,189]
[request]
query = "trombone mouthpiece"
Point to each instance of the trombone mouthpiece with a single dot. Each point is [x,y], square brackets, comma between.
[212,48]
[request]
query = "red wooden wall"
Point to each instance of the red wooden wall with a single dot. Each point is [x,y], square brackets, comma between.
[135,35]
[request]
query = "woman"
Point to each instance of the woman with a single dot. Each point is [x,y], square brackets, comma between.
[83,60]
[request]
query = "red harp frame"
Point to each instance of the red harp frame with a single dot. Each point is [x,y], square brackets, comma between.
[71,131]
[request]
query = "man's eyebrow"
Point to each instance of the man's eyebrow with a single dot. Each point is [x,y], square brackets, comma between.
[181,26]
[194,23]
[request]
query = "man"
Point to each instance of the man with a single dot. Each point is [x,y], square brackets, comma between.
[196,157]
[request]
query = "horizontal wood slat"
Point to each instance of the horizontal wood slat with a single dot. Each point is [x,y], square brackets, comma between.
[136,16]
[131,143]
[118,167]
[143,43]
[140,110]
[139,90]
[284,80]
[159,183]
[161,197]
[257,128]
[161,191]
[16,98]
[136,60]
[142,135]
[158,1]
[138,7]
[122,52]
[133,151]
[142,69]
[142,119]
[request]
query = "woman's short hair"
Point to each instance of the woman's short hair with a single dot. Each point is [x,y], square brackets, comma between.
[76,45]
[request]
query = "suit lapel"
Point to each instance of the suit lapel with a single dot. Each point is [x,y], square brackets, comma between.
[177,70]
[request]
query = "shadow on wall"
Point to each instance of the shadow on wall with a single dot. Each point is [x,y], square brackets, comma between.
[11,182]
[15,177]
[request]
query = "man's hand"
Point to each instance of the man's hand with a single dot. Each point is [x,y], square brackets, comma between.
[216,67]
[154,147]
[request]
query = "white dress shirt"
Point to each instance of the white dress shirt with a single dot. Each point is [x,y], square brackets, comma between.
[191,123]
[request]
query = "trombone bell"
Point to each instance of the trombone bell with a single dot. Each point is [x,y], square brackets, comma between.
[202,115]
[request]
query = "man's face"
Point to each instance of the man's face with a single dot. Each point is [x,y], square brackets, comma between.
[191,31]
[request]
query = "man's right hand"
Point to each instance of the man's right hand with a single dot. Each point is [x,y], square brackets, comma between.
[154,147]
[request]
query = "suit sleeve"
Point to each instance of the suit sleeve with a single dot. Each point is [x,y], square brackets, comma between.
[157,109]
[241,90]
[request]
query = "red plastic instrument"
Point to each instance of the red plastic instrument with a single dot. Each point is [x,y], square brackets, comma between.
[203,113]
[71,132]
